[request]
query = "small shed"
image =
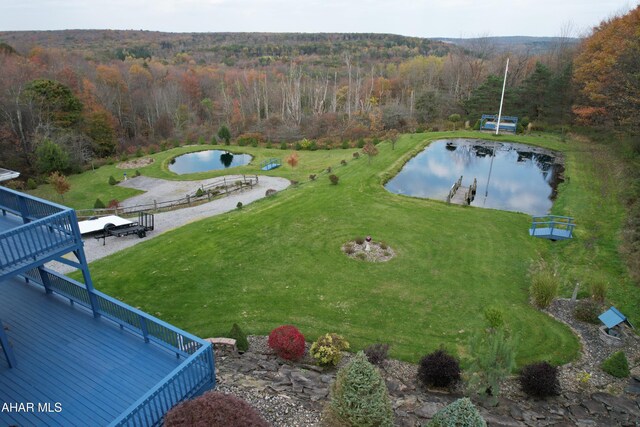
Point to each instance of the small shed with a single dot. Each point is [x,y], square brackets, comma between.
[612,318]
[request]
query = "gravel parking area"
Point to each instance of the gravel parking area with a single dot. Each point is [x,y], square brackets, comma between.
[160,189]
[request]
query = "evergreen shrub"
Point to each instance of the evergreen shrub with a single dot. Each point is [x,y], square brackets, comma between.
[460,413]
[241,338]
[359,396]
[617,365]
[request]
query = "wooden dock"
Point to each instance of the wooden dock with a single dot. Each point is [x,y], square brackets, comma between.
[462,195]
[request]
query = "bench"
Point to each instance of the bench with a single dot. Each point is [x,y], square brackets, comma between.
[223,341]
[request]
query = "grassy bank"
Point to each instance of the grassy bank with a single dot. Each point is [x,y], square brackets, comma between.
[279,261]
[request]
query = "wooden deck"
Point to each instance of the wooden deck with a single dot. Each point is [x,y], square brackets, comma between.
[93,369]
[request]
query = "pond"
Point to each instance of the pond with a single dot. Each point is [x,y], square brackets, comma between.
[510,176]
[202,161]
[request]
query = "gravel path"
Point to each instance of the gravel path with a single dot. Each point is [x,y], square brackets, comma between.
[160,189]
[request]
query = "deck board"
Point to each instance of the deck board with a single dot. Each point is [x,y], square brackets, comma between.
[91,366]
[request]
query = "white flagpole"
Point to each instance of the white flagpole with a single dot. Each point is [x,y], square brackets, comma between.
[504,85]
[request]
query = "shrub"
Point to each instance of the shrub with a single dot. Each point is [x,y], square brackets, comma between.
[312,177]
[359,240]
[356,155]
[270,192]
[327,350]
[359,396]
[329,169]
[544,284]
[99,204]
[460,413]
[349,249]
[383,246]
[241,338]
[616,365]
[360,143]
[540,380]
[200,192]
[345,145]
[343,162]
[287,342]
[377,353]
[112,180]
[334,179]
[494,317]
[113,203]
[139,152]
[587,310]
[439,369]
[31,184]
[239,205]
[137,173]
[214,409]
[599,290]
[283,146]
[268,145]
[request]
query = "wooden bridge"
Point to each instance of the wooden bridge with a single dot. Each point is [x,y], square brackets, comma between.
[461,195]
[552,227]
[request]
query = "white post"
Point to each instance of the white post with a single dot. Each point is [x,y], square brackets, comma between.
[504,85]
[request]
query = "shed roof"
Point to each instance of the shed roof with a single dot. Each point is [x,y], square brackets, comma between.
[613,317]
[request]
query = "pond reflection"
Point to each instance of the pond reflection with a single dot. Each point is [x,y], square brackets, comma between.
[512,177]
[201,161]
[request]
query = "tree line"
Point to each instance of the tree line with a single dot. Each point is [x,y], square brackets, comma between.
[85,104]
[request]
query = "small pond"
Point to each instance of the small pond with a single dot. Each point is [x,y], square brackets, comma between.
[202,161]
[510,176]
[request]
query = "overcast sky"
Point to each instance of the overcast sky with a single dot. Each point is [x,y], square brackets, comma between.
[421,18]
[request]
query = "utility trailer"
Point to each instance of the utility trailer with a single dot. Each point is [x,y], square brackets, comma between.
[145,223]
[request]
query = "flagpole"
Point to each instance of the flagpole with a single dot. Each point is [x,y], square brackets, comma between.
[504,85]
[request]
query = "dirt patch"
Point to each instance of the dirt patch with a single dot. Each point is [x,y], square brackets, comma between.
[135,163]
[368,251]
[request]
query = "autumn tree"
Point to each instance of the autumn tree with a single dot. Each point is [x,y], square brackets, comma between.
[370,150]
[292,159]
[59,183]
[606,71]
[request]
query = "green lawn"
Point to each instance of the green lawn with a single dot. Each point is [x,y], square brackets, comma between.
[278,260]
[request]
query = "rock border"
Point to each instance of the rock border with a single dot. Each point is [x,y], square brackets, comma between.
[379,251]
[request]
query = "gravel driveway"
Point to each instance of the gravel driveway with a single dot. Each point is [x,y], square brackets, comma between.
[160,189]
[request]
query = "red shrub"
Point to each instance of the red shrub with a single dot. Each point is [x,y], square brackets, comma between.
[287,342]
[214,409]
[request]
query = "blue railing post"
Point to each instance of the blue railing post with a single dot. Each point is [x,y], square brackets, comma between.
[24,210]
[45,280]
[6,348]
[144,328]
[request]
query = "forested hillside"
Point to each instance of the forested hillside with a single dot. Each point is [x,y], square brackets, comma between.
[98,93]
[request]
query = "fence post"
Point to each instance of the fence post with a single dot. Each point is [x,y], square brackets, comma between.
[188,200]
[155,205]
[143,327]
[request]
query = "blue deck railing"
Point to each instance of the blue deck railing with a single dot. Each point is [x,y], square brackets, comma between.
[47,230]
[195,374]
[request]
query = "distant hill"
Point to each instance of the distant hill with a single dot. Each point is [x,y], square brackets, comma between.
[229,48]
[518,44]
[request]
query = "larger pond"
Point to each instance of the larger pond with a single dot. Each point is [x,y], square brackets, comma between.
[202,161]
[510,176]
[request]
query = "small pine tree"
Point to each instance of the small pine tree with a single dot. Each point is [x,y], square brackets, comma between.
[224,134]
[359,396]
[241,338]
[112,180]
[99,204]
